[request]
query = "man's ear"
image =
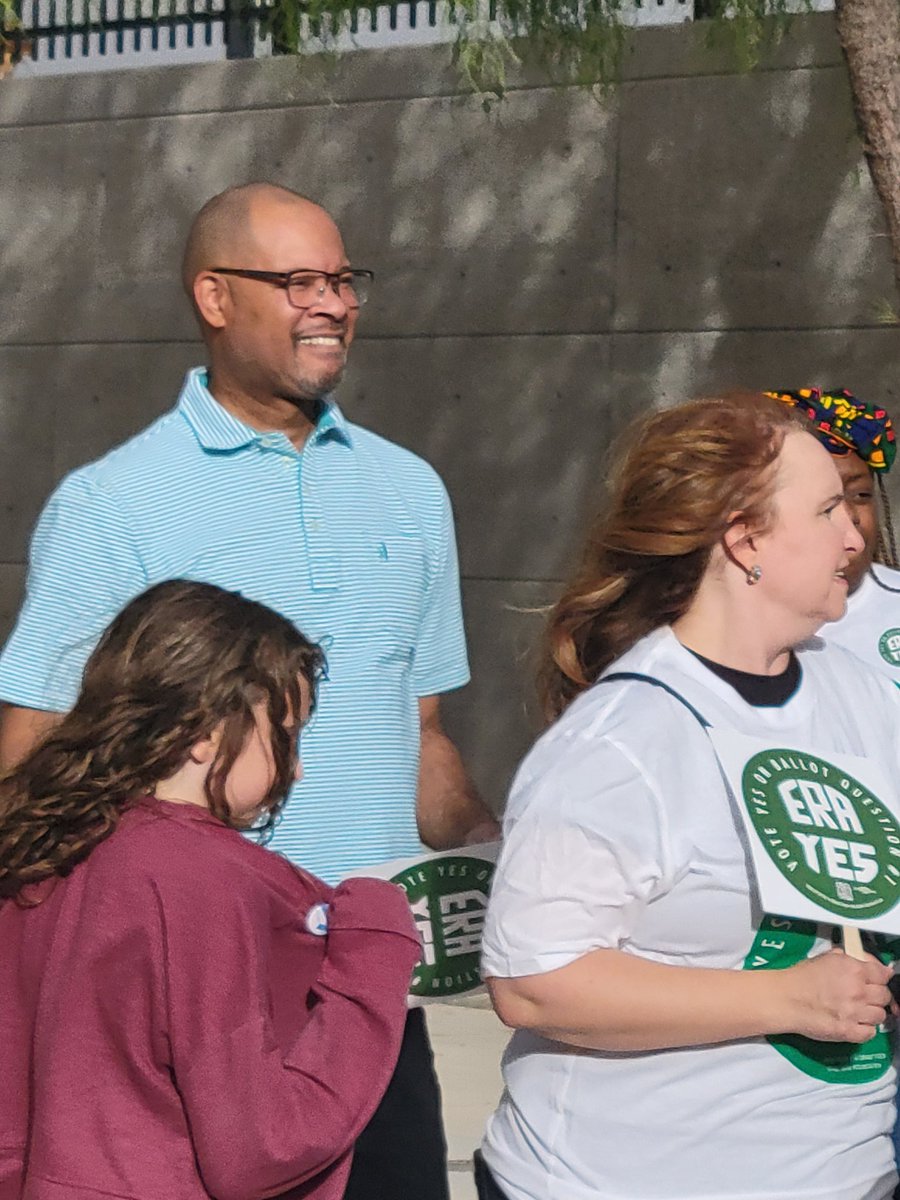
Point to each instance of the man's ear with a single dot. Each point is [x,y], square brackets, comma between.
[212,298]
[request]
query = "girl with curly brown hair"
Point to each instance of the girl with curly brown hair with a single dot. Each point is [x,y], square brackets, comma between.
[184,1014]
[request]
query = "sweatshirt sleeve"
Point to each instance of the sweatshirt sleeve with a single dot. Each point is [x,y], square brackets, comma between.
[264,1120]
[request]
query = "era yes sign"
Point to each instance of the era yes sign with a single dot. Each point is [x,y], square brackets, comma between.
[823,831]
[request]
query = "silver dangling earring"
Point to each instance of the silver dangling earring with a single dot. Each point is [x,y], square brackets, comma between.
[754,575]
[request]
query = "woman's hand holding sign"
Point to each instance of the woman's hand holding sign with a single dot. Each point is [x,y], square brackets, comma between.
[835,998]
[609,1000]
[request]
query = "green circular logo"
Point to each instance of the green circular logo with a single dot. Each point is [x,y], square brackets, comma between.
[448,898]
[825,832]
[782,942]
[889,646]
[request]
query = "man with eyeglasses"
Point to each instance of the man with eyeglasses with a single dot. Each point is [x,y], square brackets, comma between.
[257,482]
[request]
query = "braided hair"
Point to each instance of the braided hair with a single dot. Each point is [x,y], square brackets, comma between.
[886,546]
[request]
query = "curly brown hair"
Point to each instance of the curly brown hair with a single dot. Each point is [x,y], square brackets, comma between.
[180,661]
[681,473]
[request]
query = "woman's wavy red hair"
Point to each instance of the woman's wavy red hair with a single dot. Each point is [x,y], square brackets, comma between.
[681,475]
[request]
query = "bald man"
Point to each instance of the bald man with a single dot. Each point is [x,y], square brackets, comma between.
[257,482]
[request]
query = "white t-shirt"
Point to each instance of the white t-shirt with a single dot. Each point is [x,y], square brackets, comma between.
[871,625]
[620,833]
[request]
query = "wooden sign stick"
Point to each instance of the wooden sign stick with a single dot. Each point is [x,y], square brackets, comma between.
[853,946]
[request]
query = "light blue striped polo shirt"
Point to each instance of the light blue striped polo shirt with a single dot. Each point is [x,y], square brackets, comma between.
[351,538]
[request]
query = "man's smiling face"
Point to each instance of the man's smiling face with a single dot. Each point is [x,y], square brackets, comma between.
[278,351]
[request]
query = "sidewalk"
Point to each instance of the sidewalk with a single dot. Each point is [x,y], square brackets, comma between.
[468,1043]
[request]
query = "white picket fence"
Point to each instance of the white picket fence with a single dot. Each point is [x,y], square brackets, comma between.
[202,39]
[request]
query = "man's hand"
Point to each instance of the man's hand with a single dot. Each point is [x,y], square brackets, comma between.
[448,810]
[487,831]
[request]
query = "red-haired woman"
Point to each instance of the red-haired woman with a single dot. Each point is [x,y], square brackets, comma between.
[651,1062]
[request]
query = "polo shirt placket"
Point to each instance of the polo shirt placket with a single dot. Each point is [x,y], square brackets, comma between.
[322,552]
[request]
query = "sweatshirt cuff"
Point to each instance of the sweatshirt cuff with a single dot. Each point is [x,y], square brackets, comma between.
[371,904]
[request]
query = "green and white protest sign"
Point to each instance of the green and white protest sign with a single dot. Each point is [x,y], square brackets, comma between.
[448,894]
[823,830]
[889,647]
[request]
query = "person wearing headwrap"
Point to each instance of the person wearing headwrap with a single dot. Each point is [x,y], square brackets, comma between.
[861,437]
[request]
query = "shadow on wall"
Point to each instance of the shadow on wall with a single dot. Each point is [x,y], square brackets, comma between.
[544,271]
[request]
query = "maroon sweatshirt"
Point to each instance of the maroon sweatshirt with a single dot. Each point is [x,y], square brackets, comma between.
[171,1028]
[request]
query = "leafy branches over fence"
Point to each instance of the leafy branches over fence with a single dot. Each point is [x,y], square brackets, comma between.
[748,27]
[575,41]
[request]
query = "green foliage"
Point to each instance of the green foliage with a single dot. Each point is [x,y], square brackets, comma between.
[482,59]
[886,313]
[747,28]
[296,25]
[576,41]
[573,41]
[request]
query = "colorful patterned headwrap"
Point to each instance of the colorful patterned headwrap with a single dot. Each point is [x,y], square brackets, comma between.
[844,423]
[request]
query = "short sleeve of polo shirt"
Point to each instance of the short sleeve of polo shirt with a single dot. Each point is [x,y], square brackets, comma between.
[440,662]
[584,851]
[83,568]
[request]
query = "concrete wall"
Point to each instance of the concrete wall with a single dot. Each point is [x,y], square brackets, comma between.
[544,270]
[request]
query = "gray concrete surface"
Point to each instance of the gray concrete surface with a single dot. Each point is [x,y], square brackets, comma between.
[544,271]
[468,1044]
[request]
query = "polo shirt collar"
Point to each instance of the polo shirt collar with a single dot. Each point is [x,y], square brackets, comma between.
[217,429]
[333,425]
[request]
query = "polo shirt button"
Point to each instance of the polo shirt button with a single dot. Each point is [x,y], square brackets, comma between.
[313,526]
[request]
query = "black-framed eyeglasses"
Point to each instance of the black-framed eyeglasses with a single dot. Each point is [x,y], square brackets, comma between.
[304,288]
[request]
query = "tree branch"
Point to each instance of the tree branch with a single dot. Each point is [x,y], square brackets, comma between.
[869,31]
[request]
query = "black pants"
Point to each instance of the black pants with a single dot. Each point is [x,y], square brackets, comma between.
[402,1153]
[485,1184]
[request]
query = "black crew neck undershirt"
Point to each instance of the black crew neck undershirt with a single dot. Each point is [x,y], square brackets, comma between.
[762,691]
